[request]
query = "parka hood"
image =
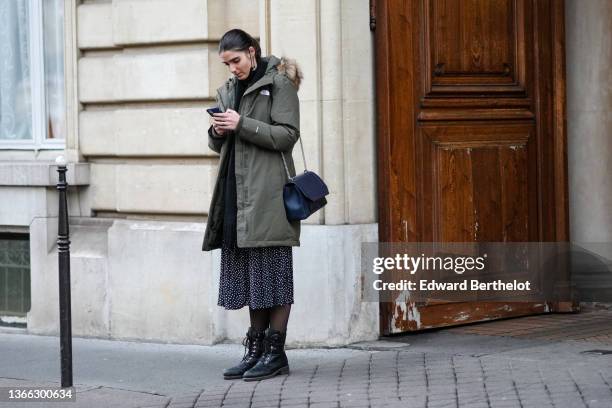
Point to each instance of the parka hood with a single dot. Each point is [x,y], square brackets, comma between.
[290,68]
[283,65]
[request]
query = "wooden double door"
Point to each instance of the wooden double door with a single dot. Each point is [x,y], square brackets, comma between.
[470,134]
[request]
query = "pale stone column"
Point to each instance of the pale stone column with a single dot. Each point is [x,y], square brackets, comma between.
[294,33]
[589,118]
[332,42]
[358,111]
[332,70]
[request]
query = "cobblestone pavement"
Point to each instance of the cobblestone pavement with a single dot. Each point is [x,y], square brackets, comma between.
[548,371]
[414,379]
[592,326]
[525,364]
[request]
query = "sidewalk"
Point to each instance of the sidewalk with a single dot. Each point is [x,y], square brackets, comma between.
[458,367]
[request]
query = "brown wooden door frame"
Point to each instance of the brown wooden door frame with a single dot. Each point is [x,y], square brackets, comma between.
[395,19]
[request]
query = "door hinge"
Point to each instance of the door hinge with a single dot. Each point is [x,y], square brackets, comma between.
[372,15]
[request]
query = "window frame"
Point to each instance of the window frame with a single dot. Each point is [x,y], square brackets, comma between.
[38,92]
[13,318]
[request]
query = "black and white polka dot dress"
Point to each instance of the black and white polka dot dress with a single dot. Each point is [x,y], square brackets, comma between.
[258,277]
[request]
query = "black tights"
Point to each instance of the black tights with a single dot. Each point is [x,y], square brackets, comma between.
[276,317]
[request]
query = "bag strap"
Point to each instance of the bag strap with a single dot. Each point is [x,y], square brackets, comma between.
[303,157]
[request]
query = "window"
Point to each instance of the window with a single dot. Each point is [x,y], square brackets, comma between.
[32,74]
[14,279]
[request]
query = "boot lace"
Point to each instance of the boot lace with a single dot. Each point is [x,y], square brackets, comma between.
[249,345]
[246,342]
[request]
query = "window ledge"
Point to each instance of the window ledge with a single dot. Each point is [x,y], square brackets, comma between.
[42,174]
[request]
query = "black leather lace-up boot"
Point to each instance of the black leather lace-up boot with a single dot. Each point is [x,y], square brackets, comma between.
[273,361]
[253,349]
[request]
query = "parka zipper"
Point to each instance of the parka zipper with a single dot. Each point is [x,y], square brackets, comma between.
[232,97]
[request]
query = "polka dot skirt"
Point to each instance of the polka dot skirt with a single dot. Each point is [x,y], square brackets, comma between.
[259,277]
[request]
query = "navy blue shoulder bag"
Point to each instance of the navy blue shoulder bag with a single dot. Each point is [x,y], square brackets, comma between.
[303,194]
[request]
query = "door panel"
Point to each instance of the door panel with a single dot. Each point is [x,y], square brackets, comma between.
[478,179]
[475,46]
[470,134]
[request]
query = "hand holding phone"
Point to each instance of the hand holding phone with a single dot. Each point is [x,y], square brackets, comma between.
[212,111]
[226,121]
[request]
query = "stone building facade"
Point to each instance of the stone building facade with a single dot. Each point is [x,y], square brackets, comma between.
[138,76]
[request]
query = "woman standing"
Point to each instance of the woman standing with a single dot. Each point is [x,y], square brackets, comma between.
[258,128]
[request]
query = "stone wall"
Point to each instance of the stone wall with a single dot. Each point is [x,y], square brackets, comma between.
[143,74]
[589,119]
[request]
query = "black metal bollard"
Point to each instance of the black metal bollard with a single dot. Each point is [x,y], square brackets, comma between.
[63,245]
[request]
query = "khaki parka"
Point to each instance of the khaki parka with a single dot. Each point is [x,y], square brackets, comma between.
[269,124]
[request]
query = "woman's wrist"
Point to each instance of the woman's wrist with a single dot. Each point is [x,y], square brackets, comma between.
[238,125]
[213,133]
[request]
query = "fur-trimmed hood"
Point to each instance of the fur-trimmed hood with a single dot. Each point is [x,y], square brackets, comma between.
[291,69]
[283,65]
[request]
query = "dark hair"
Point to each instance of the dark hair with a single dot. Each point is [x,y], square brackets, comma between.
[239,40]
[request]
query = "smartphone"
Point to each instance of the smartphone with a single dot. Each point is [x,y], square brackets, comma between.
[213,110]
